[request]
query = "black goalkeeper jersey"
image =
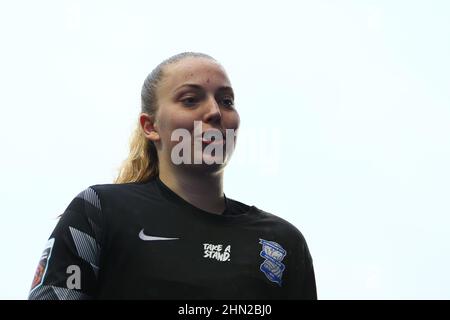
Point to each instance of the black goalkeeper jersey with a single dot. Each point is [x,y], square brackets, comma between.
[143,241]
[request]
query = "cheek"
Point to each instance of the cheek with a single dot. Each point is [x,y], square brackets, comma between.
[169,122]
[232,121]
[181,120]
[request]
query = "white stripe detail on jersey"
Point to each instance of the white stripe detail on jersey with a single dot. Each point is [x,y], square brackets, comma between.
[57,293]
[87,247]
[43,293]
[95,229]
[90,196]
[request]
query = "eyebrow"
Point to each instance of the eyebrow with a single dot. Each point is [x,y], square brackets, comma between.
[199,87]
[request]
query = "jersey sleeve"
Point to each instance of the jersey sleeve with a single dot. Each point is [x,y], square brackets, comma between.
[301,282]
[309,290]
[69,266]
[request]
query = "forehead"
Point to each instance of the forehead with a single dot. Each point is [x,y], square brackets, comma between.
[194,70]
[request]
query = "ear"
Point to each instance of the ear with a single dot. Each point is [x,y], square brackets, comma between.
[149,126]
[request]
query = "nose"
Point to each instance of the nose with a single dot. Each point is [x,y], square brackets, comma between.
[212,114]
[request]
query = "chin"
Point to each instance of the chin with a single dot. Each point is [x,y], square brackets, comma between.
[214,168]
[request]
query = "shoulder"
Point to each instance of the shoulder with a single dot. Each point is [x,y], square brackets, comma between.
[282,227]
[112,195]
[114,190]
[269,221]
[115,187]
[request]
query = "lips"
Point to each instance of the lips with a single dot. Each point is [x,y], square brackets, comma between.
[212,136]
[213,142]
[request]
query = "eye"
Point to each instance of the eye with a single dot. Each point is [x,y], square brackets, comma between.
[189,101]
[228,102]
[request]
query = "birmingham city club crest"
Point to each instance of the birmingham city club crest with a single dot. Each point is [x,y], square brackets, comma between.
[273,253]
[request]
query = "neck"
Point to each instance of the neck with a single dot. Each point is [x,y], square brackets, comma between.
[202,190]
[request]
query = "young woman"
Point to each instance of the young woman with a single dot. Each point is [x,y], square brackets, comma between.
[165,229]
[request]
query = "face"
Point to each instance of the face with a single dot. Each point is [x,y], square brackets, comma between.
[194,89]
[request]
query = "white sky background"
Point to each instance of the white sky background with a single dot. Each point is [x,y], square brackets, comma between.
[345,112]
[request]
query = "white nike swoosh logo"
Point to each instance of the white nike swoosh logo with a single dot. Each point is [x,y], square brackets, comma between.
[144,237]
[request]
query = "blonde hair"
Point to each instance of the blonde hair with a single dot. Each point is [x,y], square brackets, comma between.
[141,165]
